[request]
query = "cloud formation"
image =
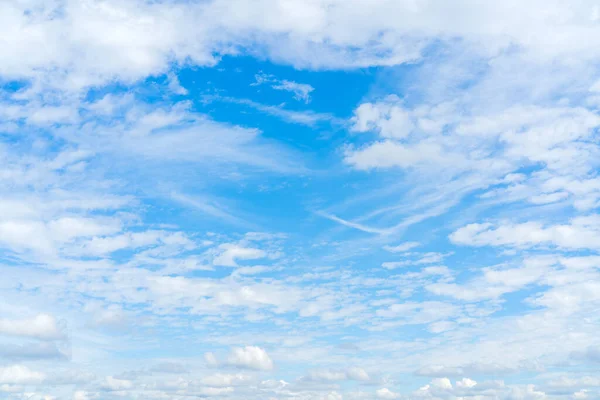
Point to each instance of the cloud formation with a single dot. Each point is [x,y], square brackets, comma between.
[279,199]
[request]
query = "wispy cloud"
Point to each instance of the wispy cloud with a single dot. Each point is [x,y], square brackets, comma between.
[301,91]
[309,118]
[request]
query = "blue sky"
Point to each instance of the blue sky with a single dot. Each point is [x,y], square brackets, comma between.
[299,200]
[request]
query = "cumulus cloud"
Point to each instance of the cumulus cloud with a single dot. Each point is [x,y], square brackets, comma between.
[582,233]
[248,357]
[466,383]
[112,383]
[385,393]
[231,253]
[330,375]
[80,395]
[225,380]
[42,326]
[323,33]
[251,357]
[20,375]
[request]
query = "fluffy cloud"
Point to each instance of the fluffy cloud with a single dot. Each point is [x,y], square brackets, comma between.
[231,253]
[80,395]
[225,380]
[251,357]
[20,375]
[322,33]
[354,373]
[112,383]
[42,326]
[581,233]
[385,393]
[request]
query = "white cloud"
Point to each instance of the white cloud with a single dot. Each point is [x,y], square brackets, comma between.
[483,117]
[175,85]
[42,326]
[581,233]
[388,118]
[358,374]
[329,375]
[112,383]
[567,382]
[224,380]
[466,383]
[321,33]
[211,359]
[389,154]
[385,393]
[20,375]
[80,395]
[439,370]
[582,394]
[528,392]
[442,383]
[419,312]
[231,253]
[305,117]
[401,248]
[417,259]
[333,396]
[301,91]
[251,357]
[213,391]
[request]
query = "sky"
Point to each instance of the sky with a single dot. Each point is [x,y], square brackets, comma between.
[299,200]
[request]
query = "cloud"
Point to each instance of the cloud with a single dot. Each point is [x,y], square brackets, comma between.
[388,118]
[112,384]
[305,117]
[351,224]
[442,383]
[466,383]
[70,59]
[439,371]
[488,138]
[592,353]
[170,368]
[250,357]
[42,326]
[20,375]
[212,207]
[418,259]
[301,91]
[582,233]
[385,393]
[321,34]
[527,392]
[354,373]
[29,351]
[231,253]
[401,248]
[566,382]
[80,395]
[225,380]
